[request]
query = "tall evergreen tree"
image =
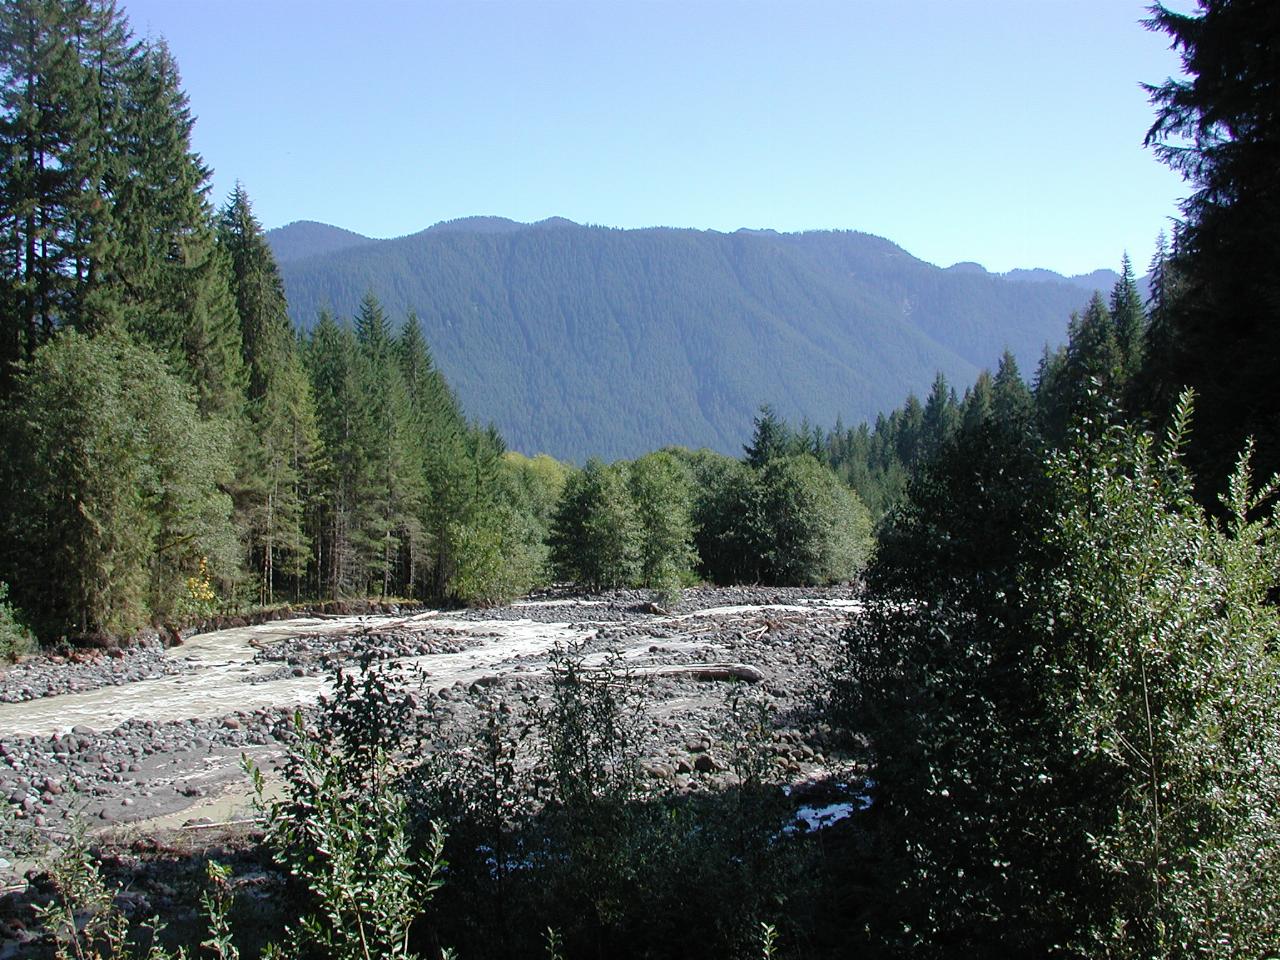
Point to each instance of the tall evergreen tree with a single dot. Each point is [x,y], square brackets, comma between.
[51,202]
[1011,399]
[1130,320]
[443,446]
[1095,360]
[771,438]
[390,487]
[102,212]
[278,437]
[907,427]
[940,418]
[176,280]
[1219,127]
[266,334]
[331,362]
[978,406]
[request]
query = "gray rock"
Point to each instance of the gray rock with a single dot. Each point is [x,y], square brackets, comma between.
[705,763]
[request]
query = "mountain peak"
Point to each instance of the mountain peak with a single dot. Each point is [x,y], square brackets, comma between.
[309,238]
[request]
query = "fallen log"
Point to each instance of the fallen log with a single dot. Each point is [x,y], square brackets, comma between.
[705,672]
[708,672]
[223,823]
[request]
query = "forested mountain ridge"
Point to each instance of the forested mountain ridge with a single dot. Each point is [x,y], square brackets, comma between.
[582,340]
[308,238]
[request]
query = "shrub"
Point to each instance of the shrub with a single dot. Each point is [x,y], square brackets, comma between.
[15,638]
[1077,747]
[342,827]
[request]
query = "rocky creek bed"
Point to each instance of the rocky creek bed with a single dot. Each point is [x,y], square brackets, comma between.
[76,671]
[148,743]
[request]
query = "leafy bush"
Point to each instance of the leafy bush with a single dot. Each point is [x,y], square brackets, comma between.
[500,556]
[1077,745]
[791,522]
[342,827]
[1168,624]
[15,638]
[86,922]
[818,531]
[663,495]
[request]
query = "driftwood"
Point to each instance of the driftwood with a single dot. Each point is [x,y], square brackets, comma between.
[224,823]
[705,671]
[695,671]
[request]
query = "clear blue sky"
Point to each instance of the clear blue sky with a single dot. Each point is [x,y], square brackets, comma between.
[1008,132]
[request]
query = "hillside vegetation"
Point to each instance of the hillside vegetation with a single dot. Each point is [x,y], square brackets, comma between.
[581,341]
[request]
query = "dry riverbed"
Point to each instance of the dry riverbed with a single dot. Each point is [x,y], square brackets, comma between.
[147,741]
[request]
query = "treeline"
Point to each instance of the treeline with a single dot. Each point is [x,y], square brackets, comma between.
[589,325]
[169,441]
[673,517]
[172,444]
[1103,362]
[1068,679]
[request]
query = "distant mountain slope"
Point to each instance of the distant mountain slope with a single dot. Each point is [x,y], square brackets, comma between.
[587,340]
[307,238]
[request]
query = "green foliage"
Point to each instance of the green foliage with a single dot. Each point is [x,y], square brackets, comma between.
[771,438]
[791,522]
[83,917]
[500,556]
[86,922]
[629,869]
[65,75]
[113,488]
[818,531]
[217,901]
[1070,691]
[1218,312]
[277,441]
[940,418]
[555,822]
[174,279]
[876,461]
[1129,316]
[768,941]
[663,495]
[960,530]
[342,827]
[540,479]
[1178,711]
[410,499]
[15,638]
[592,725]
[729,526]
[595,534]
